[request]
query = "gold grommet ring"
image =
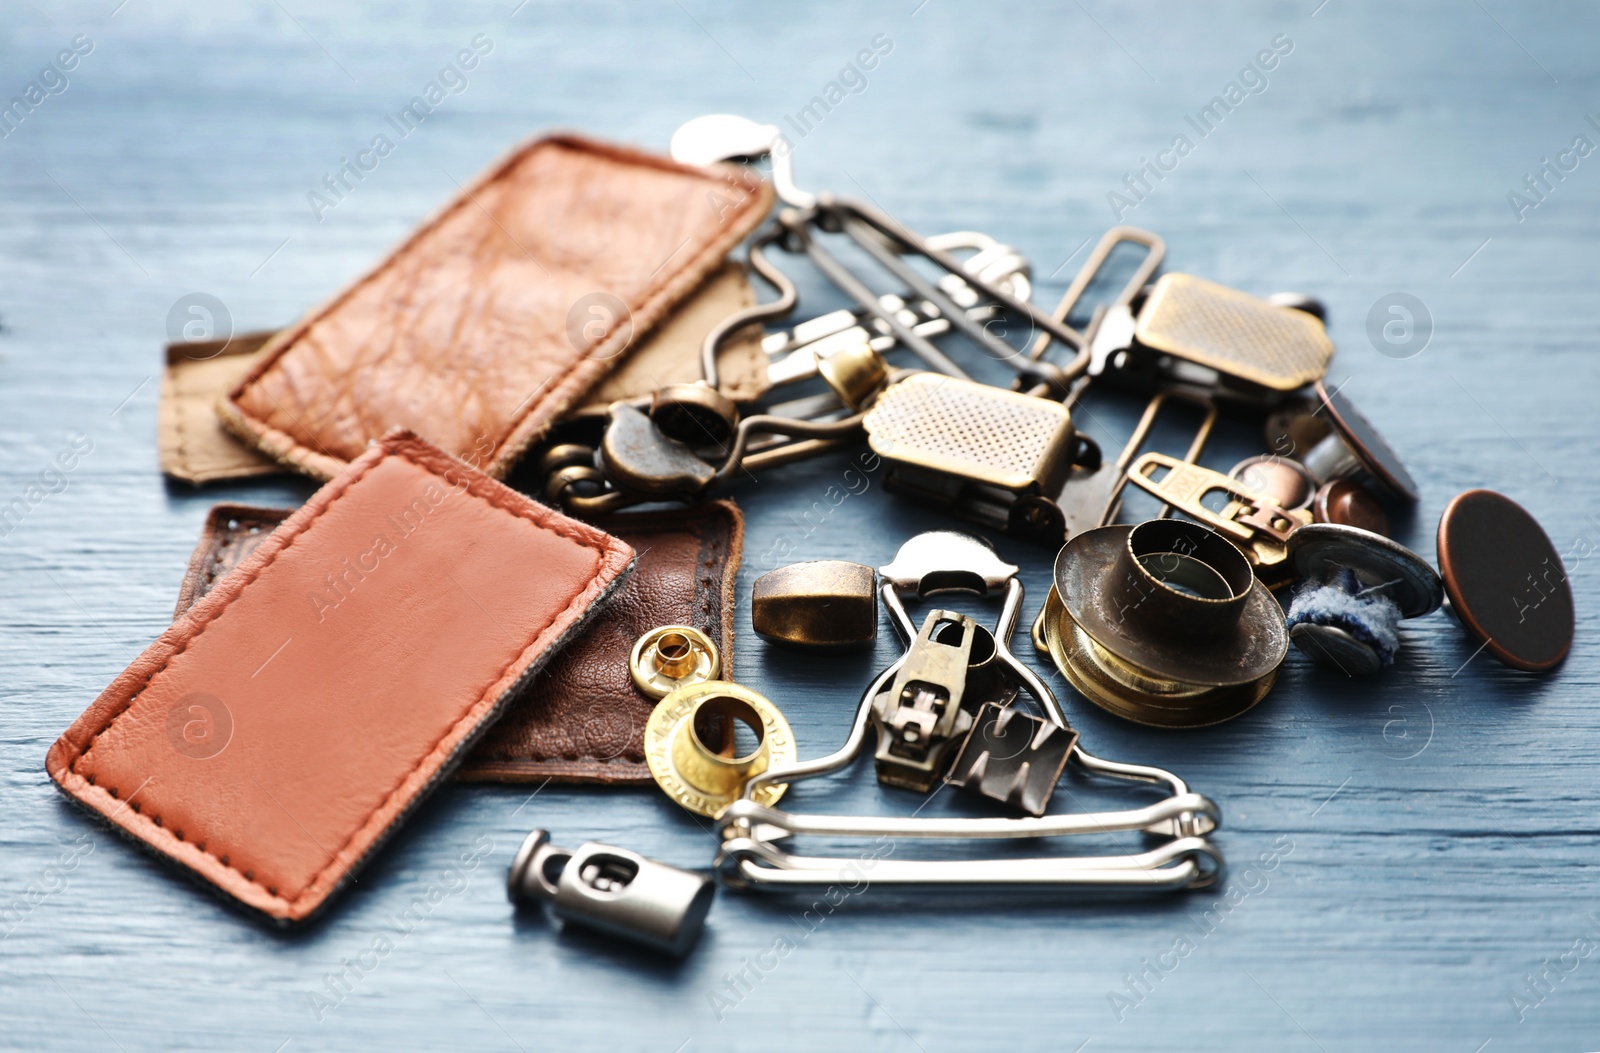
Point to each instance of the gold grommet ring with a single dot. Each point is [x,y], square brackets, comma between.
[690,745]
[666,658]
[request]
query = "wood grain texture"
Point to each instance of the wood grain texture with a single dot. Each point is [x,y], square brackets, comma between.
[1441,817]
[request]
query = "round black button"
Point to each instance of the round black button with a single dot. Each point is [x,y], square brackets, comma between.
[1505,580]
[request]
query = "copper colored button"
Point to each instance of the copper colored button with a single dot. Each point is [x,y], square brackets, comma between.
[1357,435]
[1279,480]
[1350,504]
[1505,580]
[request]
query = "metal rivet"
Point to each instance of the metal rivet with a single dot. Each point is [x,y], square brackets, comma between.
[671,656]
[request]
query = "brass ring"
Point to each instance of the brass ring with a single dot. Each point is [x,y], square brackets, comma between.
[1128,692]
[1164,623]
[703,779]
[666,658]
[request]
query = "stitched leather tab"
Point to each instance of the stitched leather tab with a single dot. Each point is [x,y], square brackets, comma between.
[496,316]
[231,533]
[196,448]
[275,735]
[581,719]
[194,445]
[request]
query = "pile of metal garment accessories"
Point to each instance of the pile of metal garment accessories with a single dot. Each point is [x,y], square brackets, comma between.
[1180,621]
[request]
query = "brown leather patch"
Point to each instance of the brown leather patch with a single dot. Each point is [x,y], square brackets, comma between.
[196,448]
[194,445]
[671,354]
[231,533]
[281,729]
[581,719]
[492,320]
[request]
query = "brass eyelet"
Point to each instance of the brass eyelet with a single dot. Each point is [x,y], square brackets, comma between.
[671,656]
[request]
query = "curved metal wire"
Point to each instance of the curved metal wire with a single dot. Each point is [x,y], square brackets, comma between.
[750,857]
[788,296]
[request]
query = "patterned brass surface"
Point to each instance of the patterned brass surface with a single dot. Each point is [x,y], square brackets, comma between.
[1234,333]
[960,427]
[699,779]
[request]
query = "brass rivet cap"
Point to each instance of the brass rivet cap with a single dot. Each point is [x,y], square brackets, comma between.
[671,656]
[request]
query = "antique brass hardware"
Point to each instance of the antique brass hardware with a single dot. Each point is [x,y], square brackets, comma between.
[698,776]
[829,603]
[1163,623]
[992,454]
[1256,525]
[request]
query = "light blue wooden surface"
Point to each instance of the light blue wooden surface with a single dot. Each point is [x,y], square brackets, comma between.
[1434,828]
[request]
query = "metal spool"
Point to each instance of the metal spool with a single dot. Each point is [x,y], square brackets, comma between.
[1163,624]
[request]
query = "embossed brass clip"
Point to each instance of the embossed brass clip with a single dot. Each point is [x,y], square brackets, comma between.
[1207,336]
[990,453]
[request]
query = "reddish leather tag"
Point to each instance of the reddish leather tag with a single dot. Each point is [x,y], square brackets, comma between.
[276,734]
[581,718]
[494,318]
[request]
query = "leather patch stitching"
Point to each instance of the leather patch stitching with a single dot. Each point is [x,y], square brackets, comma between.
[394,448]
[711,544]
[719,527]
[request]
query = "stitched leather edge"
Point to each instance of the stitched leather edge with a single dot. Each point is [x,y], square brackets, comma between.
[723,545]
[202,562]
[519,768]
[565,389]
[172,434]
[612,556]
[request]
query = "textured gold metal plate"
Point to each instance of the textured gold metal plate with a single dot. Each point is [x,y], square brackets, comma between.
[971,430]
[1234,333]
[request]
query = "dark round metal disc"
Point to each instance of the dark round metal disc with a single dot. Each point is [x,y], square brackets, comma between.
[1348,503]
[1358,433]
[1335,648]
[1505,580]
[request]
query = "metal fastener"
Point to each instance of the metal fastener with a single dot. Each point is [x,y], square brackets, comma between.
[670,656]
[614,891]
[1164,623]
[704,778]
[825,603]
